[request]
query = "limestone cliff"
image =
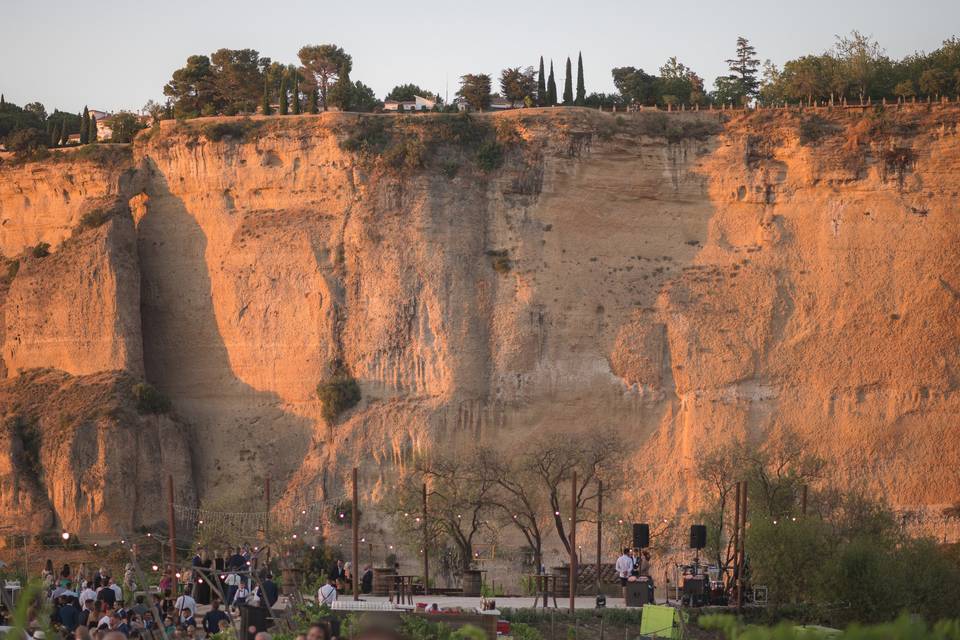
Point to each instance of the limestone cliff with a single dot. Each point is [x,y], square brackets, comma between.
[683,279]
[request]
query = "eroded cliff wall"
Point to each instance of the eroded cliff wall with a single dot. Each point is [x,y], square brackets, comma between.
[684,280]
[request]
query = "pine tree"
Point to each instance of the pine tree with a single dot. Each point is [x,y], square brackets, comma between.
[84,126]
[541,86]
[265,103]
[283,96]
[551,88]
[296,93]
[312,106]
[568,86]
[743,71]
[581,92]
[92,130]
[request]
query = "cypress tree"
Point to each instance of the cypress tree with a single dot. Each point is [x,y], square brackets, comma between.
[551,88]
[53,131]
[568,85]
[541,86]
[296,93]
[312,105]
[84,126]
[3,101]
[64,132]
[92,131]
[283,96]
[581,92]
[265,103]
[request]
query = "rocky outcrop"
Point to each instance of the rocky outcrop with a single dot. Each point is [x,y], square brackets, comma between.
[76,455]
[683,280]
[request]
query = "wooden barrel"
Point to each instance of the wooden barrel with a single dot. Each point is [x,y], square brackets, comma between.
[383,580]
[471,582]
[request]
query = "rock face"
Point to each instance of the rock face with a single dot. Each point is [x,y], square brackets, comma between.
[680,280]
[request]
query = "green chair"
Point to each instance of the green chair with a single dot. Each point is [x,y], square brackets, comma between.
[660,621]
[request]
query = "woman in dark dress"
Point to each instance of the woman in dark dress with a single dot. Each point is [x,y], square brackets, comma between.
[201,586]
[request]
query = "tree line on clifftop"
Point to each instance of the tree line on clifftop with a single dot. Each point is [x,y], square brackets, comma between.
[241,81]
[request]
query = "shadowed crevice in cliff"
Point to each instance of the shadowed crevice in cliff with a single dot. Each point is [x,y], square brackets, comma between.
[186,357]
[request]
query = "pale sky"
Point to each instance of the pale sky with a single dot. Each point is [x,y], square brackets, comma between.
[117,54]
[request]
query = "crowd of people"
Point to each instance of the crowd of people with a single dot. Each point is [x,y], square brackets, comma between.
[91,605]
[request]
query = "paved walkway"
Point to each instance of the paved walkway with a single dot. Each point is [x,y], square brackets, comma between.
[346,601]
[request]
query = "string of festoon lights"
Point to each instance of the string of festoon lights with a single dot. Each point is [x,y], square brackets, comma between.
[302,516]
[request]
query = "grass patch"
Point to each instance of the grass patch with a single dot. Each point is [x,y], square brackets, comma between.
[675,127]
[150,400]
[339,393]
[489,155]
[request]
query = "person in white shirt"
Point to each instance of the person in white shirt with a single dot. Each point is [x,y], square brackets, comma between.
[117,589]
[87,594]
[186,601]
[327,594]
[624,566]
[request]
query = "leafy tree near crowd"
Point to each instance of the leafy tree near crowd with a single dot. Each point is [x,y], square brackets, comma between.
[326,63]
[475,89]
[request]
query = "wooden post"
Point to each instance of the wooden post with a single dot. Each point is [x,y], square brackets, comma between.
[599,530]
[573,540]
[356,539]
[743,535]
[266,520]
[426,552]
[736,531]
[171,524]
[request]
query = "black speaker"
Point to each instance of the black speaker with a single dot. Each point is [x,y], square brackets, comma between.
[641,535]
[698,536]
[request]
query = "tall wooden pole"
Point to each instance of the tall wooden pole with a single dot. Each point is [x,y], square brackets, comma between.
[736,531]
[573,541]
[356,538]
[426,552]
[266,520]
[743,535]
[171,523]
[599,530]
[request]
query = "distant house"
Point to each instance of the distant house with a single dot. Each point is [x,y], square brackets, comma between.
[73,138]
[500,104]
[419,103]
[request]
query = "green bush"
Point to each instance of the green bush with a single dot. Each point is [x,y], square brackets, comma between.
[236,129]
[339,393]
[521,631]
[95,218]
[903,628]
[42,250]
[489,155]
[150,400]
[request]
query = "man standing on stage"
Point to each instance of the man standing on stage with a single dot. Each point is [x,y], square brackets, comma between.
[624,566]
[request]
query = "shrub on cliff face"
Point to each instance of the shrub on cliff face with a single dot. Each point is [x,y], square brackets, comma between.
[41,250]
[94,219]
[237,129]
[339,393]
[10,271]
[150,400]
